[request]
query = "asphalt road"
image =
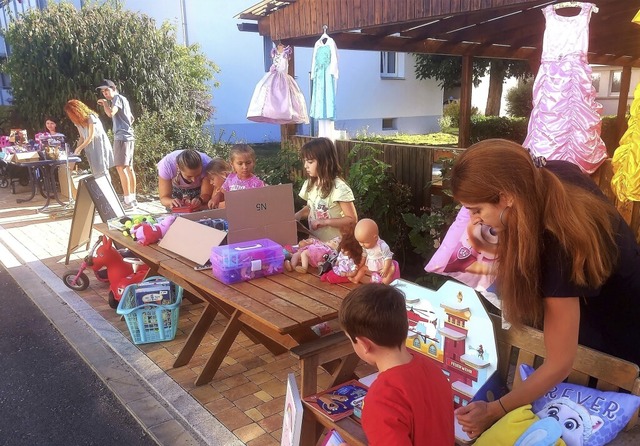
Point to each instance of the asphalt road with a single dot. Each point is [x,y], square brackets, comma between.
[48,394]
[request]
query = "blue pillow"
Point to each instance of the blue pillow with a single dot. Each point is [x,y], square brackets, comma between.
[588,417]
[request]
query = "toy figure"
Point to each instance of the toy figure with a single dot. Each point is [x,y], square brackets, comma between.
[147,233]
[311,252]
[350,258]
[378,256]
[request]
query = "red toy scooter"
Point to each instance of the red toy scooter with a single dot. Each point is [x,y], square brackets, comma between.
[120,271]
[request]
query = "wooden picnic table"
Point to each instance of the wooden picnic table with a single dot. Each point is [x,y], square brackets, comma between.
[277,311]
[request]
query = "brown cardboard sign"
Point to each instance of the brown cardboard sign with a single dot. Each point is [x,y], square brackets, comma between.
[191,240]
[266,212]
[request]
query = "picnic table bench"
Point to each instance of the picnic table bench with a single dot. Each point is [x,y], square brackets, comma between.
[277,311]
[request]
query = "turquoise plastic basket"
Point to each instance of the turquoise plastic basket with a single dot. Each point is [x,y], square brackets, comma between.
[150,322]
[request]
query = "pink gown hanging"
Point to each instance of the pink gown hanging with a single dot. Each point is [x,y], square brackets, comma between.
[277,99]
[566,119]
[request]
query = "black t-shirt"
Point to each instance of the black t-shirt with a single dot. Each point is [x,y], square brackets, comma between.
[608,314]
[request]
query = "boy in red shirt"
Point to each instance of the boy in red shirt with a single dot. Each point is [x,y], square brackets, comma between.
[410,402]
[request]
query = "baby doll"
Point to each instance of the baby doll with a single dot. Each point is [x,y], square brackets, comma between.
[378,257]
[350,258]
[311,252]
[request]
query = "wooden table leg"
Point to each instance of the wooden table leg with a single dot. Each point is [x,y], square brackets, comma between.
[222,348]
[196,335]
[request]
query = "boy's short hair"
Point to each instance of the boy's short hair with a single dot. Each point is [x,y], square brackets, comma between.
[375,311]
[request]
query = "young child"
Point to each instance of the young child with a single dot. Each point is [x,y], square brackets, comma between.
[243,161]
[217,171]
[378,256]
[329,198]
[350,258]
[410,402]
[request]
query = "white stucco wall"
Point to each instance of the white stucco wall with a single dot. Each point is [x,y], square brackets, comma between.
[363,98]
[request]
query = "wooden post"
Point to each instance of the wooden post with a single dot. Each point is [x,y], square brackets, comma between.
[288,130]
[621,121]
[464,132]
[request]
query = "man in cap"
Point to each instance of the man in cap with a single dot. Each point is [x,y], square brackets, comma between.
[117,108]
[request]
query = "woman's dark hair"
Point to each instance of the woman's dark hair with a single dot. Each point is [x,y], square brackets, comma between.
[189,159]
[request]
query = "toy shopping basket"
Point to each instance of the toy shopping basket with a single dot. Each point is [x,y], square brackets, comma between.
[151,322]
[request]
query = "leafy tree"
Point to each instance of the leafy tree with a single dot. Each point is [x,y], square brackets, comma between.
[519,98]
[60,52]
[447,70]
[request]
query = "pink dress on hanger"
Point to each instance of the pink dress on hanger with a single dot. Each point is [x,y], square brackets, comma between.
[277,99]
[566,119]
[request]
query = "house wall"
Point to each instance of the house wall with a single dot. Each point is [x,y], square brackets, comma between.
[604,95]
[363,98]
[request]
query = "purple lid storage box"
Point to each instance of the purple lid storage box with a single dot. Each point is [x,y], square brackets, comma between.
[246,260]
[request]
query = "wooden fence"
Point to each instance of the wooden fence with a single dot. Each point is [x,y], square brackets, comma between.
[411,165]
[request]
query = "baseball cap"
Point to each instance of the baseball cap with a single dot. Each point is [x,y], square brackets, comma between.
[106,83]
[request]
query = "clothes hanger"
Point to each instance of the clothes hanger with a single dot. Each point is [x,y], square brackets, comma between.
[324,37]
[594,9]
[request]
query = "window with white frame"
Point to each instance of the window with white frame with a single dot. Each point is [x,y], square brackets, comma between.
[595,81]
[391,65]
[616,79]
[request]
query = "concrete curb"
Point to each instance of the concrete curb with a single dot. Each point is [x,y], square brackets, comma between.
[166,411]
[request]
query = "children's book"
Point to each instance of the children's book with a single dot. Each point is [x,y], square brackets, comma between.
[332,438]
[335,403]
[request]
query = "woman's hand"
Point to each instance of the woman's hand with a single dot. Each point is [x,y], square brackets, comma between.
[476,417]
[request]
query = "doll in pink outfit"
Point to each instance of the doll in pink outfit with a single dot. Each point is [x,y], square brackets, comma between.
[311,252]
[378,256]
[243,162]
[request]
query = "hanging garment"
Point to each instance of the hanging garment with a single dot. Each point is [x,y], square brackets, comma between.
[277,99]
[626,159]
[324,73]
[566,119]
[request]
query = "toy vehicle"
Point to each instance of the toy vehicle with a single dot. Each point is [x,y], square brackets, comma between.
[120,271]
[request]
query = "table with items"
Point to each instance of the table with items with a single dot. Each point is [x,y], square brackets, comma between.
[42,175]
[277,311]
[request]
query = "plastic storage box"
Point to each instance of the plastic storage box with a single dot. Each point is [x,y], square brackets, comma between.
[246,260]
[150,322]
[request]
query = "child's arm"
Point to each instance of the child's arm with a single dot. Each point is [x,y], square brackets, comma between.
[165,190]
[216,199]
[302,213]
[350,216]
[386,267]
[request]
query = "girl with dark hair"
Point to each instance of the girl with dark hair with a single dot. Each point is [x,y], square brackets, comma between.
[329,198]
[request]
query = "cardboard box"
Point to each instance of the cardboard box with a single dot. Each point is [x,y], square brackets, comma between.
[25,157]
[158,292]
[266,212]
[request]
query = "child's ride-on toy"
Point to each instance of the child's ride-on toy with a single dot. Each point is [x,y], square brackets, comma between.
[120,271]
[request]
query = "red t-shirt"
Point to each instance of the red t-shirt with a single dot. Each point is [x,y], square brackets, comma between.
[410,404]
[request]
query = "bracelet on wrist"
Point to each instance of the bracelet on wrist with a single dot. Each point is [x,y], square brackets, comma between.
[502,405]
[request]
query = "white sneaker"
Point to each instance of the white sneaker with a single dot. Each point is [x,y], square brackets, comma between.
[130,206]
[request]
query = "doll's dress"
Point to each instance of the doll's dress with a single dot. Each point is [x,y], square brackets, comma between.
[377,255]
[626,159]
[277,99]
[344,265]
[324,75]
[316,252]
[565,121]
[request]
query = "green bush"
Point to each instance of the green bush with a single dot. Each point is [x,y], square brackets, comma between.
[451,113]
[155,138]
[485,127]
[520,99]
[379,195]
